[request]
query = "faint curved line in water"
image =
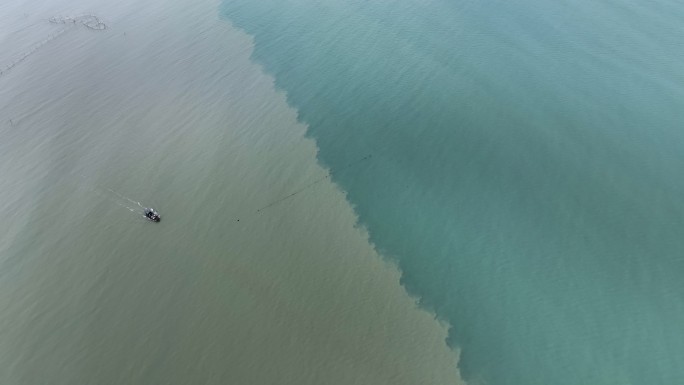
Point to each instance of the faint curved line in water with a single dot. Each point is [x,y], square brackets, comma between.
[88,21]
[35,48]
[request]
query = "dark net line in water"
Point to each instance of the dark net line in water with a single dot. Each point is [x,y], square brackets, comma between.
[319,180]
[30,52]
[88,21]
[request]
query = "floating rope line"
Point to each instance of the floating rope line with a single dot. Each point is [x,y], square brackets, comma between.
[319,180]
[88,21]
[33,50]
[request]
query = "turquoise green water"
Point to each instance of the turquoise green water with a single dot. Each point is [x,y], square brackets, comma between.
[525,172]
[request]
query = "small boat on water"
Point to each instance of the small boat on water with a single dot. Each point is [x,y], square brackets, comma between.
[152,215]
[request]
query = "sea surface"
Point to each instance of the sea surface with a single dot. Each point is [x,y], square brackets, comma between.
[352,192]
[526,168]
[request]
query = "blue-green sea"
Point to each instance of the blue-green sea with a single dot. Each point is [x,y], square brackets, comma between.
[526,169]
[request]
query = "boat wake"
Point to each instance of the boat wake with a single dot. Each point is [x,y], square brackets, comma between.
[138,208]
[117,198]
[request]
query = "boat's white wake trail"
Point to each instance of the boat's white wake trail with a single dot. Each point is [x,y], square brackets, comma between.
[116,197]
[126,198]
